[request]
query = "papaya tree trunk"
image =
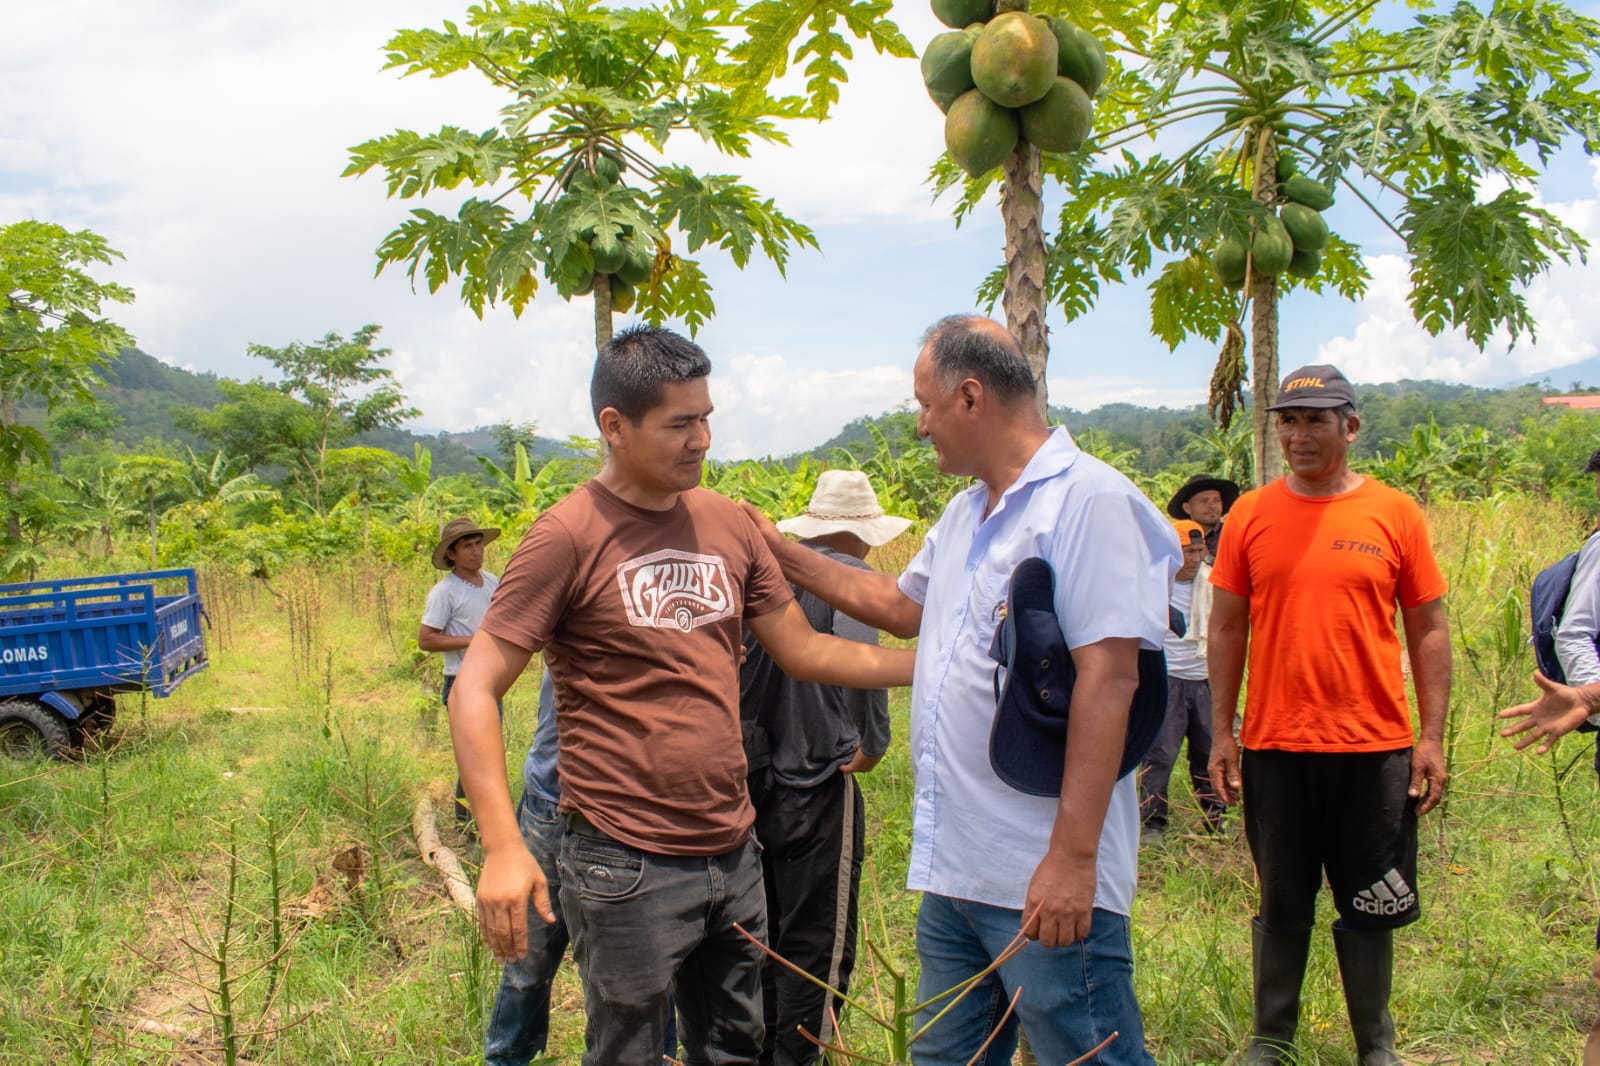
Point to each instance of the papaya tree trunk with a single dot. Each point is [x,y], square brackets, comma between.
[1022,211]
[1264,332]
[602,311]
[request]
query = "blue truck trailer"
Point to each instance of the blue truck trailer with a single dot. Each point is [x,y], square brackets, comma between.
[68,647]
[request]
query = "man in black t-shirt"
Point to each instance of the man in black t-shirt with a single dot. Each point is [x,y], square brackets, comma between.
[805,741]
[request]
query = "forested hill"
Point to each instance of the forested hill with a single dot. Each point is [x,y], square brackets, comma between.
[1160,434]
[142,394]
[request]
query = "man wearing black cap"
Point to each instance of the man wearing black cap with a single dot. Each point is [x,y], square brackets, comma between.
[1315,565]
[1205,499]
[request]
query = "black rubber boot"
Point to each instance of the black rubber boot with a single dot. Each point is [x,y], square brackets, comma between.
[1278,962]
[1366,966]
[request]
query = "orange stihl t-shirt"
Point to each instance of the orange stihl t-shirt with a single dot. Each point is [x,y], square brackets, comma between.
[1324,577]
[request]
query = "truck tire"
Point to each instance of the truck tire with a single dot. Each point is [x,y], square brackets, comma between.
[31,731]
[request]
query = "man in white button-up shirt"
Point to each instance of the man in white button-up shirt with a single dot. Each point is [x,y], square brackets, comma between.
[990,860]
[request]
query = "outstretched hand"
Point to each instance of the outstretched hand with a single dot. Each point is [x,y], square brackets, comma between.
[1558,711]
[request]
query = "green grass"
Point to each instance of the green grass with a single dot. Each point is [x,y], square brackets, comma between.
[317,726]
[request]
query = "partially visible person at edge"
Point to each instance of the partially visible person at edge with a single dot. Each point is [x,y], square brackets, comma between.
[1309,573]
[805,743]
[989,860]
[1188,700]
[1579,629]
[454,608]
[1206,500]
[519,1024]
[635,587]
[1563,708]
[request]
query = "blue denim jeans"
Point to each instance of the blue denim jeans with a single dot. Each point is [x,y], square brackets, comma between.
[520,1022]
[1072,997]
[648,929]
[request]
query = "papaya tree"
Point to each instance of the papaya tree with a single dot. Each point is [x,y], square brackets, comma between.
[571,188]
[1223,114]
[1016,79]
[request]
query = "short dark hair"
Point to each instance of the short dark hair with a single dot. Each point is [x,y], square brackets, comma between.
[1593,465]
[633,366]
[961,347]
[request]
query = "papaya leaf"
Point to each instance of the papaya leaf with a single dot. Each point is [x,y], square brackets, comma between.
[1469,259]
[774,39]
[680,291]
[1186,300]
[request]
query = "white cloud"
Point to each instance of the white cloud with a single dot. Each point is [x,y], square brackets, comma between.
[775,405]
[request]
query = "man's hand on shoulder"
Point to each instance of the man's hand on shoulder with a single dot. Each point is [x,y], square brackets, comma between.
[510,877]
[764,525]
[1060,901]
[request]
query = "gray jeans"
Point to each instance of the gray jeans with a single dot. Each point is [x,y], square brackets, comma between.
[645,927]
[1188,717]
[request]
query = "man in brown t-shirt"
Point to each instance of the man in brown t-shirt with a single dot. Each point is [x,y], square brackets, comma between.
[635,588]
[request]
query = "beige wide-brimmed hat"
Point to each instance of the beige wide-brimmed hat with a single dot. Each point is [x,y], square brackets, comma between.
[453,531]
[845,503]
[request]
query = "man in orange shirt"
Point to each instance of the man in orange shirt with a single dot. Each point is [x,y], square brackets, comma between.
[1309,573]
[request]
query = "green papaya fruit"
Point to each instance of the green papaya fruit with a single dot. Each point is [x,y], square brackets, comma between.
[1271,247]
[1079,54]
[1305,227]
[1228,261]
[608,167]
[1313,194]
[1285,167]
[1305,263]
[1014,59]
[621,296]
[979,133]
[609,254]
[947,63]
[959,13]
[636,266]
[1061,121]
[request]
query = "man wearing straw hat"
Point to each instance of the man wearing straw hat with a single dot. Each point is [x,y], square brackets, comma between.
[805,742]
[455,607]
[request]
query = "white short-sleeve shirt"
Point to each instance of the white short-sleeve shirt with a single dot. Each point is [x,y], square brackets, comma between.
[973,836]
[454,608]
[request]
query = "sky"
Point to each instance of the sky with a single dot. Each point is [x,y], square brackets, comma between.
[206,141]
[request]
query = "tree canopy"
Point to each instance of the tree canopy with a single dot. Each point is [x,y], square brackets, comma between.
[1434,118]
[596,91]
[53,337]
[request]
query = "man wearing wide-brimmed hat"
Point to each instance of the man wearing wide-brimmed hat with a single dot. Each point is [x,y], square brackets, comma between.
[806,742]
[456,605]
[1204,499]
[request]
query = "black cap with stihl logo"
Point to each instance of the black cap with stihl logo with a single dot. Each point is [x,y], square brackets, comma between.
[1321,385]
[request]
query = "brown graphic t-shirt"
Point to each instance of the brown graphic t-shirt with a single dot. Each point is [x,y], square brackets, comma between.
[638,613]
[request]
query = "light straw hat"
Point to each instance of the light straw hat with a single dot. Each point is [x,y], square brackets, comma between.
[453,531]
[845,503]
